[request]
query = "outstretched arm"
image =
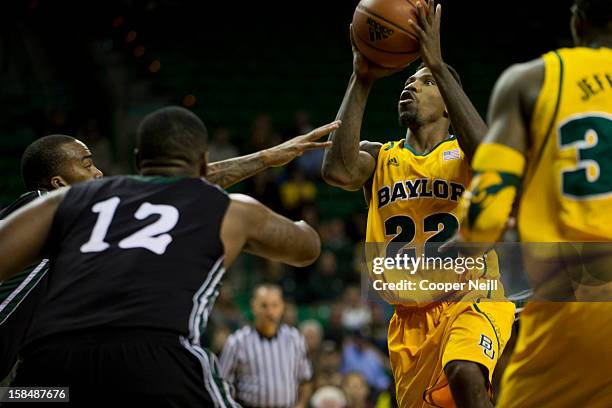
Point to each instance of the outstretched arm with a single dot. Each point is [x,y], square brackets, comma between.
[24,233]
[467,123]
[251,226]
[228,172]
[345,165]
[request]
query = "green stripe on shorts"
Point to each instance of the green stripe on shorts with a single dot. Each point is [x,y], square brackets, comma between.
[15,289]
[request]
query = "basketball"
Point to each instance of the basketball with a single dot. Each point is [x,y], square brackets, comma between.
[382,34]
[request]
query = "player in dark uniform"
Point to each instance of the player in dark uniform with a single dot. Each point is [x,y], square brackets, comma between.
[136,266]
[48,163]
[58,160]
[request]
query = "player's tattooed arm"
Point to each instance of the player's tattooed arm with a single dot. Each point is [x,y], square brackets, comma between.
[228,172]
[251,226]
[467,123]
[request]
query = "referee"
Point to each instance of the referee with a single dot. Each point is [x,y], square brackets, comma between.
[267,364]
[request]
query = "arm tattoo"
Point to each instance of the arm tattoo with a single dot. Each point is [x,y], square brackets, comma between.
[228,172]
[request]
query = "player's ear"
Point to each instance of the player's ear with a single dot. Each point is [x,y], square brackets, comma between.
[58,181]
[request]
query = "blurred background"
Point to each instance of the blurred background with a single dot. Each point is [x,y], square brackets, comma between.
[257,73]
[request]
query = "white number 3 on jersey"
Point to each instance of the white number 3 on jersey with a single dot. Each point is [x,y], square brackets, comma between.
[153,237]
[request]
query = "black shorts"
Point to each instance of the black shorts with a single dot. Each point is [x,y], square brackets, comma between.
[19,297]
[125,368]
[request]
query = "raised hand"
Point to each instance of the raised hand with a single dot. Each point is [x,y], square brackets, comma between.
[427,30]
[364,69]
[285,152]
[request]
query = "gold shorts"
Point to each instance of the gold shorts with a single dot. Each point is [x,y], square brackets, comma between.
[562,358]
[423,340]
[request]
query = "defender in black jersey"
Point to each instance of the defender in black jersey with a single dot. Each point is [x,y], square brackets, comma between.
[136,266]
[48,163]
[55,161]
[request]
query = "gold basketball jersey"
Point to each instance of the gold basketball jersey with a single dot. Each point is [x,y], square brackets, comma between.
[566,199]
[416,193]
[414,203]
[567,192]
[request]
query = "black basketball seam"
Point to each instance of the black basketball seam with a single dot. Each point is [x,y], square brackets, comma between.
[365,10]
[382,50]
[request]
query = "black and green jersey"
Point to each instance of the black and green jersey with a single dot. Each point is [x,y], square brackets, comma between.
[137,263]
[134,251]
[19,296]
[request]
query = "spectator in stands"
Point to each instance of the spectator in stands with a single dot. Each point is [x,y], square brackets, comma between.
[310,162]
[360,356]
[296,192]
[328,366]
[91,135]
[310,215]
[324,282]
[356,314]
[220,147]
[226,312]
[328,397]
[262,134]
[335,234]
[379,327]
[290,317]
[334,330]
[313,334]
[356,228]
[301,125]
[219,338]
[263,188]
[356,390]
[334,238]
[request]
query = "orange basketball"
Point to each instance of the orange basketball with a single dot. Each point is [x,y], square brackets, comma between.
[381,32]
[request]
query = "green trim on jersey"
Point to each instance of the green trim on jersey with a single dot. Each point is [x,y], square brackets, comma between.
[553,119]
[18,287]
[408,147]
[157,179]
[492,325]
[218,379]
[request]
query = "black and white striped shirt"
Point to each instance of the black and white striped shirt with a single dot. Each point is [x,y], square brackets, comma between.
[266,372]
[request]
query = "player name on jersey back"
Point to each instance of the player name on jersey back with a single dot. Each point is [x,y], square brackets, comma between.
[594,84]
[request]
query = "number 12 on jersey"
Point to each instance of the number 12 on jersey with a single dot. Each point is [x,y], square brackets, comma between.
[153,237]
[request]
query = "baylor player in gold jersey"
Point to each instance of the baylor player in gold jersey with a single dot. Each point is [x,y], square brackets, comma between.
[551,135]
[443,347]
